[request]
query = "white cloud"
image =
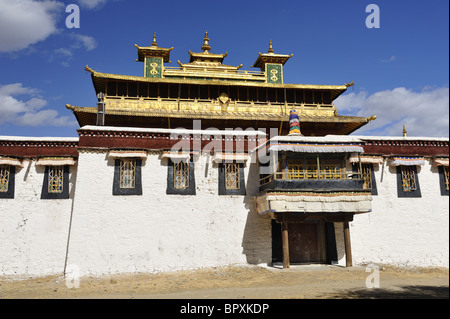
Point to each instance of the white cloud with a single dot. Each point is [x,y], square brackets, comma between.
[424,113]
[88,42]
[91,4]
[25,22]
[392,58]
[29,112]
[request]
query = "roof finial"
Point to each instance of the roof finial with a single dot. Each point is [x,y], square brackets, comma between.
[154,40]
[205,46]
[404,131]
[270,47]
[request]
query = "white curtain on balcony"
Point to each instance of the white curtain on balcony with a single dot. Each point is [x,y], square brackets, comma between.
[316,148]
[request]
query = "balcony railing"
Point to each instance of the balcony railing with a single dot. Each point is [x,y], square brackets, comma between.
[313,180]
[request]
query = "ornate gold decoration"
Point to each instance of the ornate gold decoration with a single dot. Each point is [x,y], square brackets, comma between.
[224,98]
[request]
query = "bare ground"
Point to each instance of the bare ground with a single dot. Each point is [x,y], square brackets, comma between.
[240,282]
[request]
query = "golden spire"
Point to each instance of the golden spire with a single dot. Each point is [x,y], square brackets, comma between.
[205,46]
[404,131]
[154,40]
[270,47]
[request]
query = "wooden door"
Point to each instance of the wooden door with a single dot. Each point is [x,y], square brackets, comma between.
[304,246]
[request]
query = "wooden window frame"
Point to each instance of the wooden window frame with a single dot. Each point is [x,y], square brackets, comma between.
[10,183]
[444,180]
[46,191]
[118,185]
[223,190]
[401,192]
[171,190]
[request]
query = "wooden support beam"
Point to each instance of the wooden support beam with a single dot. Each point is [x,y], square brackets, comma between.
[285,240]
[348,248]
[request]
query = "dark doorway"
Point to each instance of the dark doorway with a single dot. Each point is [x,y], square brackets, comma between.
[309,242]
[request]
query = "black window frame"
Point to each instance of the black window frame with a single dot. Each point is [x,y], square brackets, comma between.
[222,185]
[45,194]
[444,192]
[11,183]
[137,190]
[171,190]
[355,168]
[407,194]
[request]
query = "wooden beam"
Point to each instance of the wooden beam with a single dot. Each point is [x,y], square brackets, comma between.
[348,248]
[285,240]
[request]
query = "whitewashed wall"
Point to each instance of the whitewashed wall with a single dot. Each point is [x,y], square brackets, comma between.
[158,232]
[33,232]
[404,231]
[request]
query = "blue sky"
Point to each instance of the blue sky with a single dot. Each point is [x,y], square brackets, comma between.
[400,70]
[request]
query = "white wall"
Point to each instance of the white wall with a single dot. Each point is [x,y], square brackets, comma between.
[404,231]
[33,232]
[158,232]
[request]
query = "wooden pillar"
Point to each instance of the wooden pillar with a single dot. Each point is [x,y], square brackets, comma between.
[348,248]
[285,239]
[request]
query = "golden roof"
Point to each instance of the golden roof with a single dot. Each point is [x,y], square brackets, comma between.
[270,57]
[153,51]
[99,79]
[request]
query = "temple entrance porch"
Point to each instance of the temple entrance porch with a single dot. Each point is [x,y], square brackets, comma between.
[299,238]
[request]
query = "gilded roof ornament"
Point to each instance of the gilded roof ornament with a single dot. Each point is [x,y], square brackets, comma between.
[154,40]
[206,47]
[270,47]
[404,131]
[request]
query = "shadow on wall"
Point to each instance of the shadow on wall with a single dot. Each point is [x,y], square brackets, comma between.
[257,238]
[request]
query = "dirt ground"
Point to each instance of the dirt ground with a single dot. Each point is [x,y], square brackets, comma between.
[241,282]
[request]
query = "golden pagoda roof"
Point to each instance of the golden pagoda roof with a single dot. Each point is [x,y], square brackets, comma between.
[153,50]
[270,57]
[99,79]
[341,125]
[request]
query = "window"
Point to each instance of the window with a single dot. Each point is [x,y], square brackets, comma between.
[444,179]
[7,177]
[231,179]
[127,177]
[407,181]
[180,177]
[368,177]
[55,179]
[56,182]
[307,169]
[231,176]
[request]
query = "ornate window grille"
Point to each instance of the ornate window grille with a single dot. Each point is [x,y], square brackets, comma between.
[4,178]
[55,179]
[367,176]
[127,173]
[307,169]
[330,169]
[446,177]
[181,175]
[232,179]
[408,179]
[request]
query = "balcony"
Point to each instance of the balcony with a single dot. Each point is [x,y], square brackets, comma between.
[313,181]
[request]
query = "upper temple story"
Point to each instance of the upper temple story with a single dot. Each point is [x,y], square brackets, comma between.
[207,89]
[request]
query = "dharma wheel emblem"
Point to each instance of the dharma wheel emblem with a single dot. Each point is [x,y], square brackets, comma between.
[274,77]
[154,65]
